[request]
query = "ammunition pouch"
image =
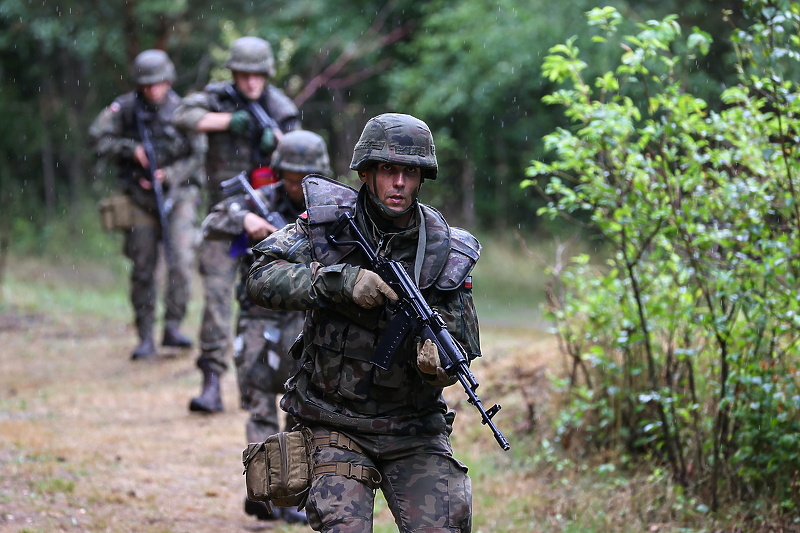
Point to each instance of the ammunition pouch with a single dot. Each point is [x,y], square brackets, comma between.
[278,471]
[116,212]
[119,212]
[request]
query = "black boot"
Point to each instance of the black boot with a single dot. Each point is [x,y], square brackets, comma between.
[260,510]
[210,400]
[145,350]
[173,337]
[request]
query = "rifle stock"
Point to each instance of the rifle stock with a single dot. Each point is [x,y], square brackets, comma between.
[158,189]
[413,314]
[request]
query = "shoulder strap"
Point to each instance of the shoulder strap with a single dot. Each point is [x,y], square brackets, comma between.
[326,201]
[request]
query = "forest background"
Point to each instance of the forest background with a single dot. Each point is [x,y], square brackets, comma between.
[677,327]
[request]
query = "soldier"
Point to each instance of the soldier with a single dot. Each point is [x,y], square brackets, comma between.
[236,142]
[116,135]
[261,347]
[374,428]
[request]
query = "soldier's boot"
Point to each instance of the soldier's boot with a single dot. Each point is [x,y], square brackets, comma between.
[260,510]
[146,349]
[291,515]
[173,337]
[210,399]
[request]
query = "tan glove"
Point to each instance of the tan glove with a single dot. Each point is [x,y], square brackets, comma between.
[370,290]
[429,363]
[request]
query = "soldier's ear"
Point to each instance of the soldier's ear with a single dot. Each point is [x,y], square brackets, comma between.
[362,175]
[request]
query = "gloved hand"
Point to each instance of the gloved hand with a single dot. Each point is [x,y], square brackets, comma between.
[370,290]
[267,143]
[429,363]
[241,122]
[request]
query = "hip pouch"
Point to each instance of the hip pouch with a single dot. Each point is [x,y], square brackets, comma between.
[116,212]
[278,470]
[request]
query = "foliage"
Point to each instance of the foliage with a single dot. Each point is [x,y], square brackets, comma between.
[470,69]
[682,349]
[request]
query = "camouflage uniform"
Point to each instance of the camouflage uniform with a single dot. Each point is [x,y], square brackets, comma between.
[372,427]
[115,135]
[228,154]
[264,336]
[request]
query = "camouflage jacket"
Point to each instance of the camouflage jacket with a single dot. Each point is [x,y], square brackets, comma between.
[226,222]
[229,154]
[114,135]
[296,268]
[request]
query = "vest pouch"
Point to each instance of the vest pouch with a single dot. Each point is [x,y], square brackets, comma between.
[116,212]
[278,471]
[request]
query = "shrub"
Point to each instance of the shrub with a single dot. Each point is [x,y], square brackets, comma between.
[683,347]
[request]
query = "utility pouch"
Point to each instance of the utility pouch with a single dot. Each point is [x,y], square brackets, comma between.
[117,212]
[278,470]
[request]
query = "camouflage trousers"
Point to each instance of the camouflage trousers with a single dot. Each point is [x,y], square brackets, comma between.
[218,271]
[263,364]
[426,488]
[142,248]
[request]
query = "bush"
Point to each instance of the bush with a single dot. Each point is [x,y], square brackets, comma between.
[682,348]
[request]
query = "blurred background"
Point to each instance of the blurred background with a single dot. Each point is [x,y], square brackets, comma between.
[471,70]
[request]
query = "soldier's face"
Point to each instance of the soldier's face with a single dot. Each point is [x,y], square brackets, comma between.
[292,184]
[395,186]
[250,84]
[157,92]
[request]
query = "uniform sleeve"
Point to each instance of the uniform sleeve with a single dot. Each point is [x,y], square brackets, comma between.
[184,169]
[284,275]
[105,135]
[194,107]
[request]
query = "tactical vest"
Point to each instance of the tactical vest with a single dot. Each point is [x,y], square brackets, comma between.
[169,143]
[230,154]
[340,340]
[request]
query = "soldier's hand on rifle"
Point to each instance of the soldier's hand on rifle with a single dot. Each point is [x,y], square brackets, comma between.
[369,290]
[141,156]
[159,174]
[257,228]
[268,140]
[241,122]
[429,364]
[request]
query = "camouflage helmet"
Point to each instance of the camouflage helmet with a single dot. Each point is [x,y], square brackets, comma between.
[398,139]
[153,66]
[251,54]
[302,151]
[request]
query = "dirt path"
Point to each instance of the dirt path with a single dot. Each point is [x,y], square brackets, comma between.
[90,441]
[93,442]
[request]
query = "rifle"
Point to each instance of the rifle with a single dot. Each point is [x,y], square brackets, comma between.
[261,117]
[162,205]
[240,184]
[413,314]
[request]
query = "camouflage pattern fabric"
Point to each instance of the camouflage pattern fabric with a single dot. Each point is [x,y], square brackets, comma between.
[263,364]
[142,247]
[396,413]
[263,336]
[425,487]
[114,135]
[227,155]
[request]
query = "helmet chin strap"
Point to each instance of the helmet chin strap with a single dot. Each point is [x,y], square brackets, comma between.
[390,213]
